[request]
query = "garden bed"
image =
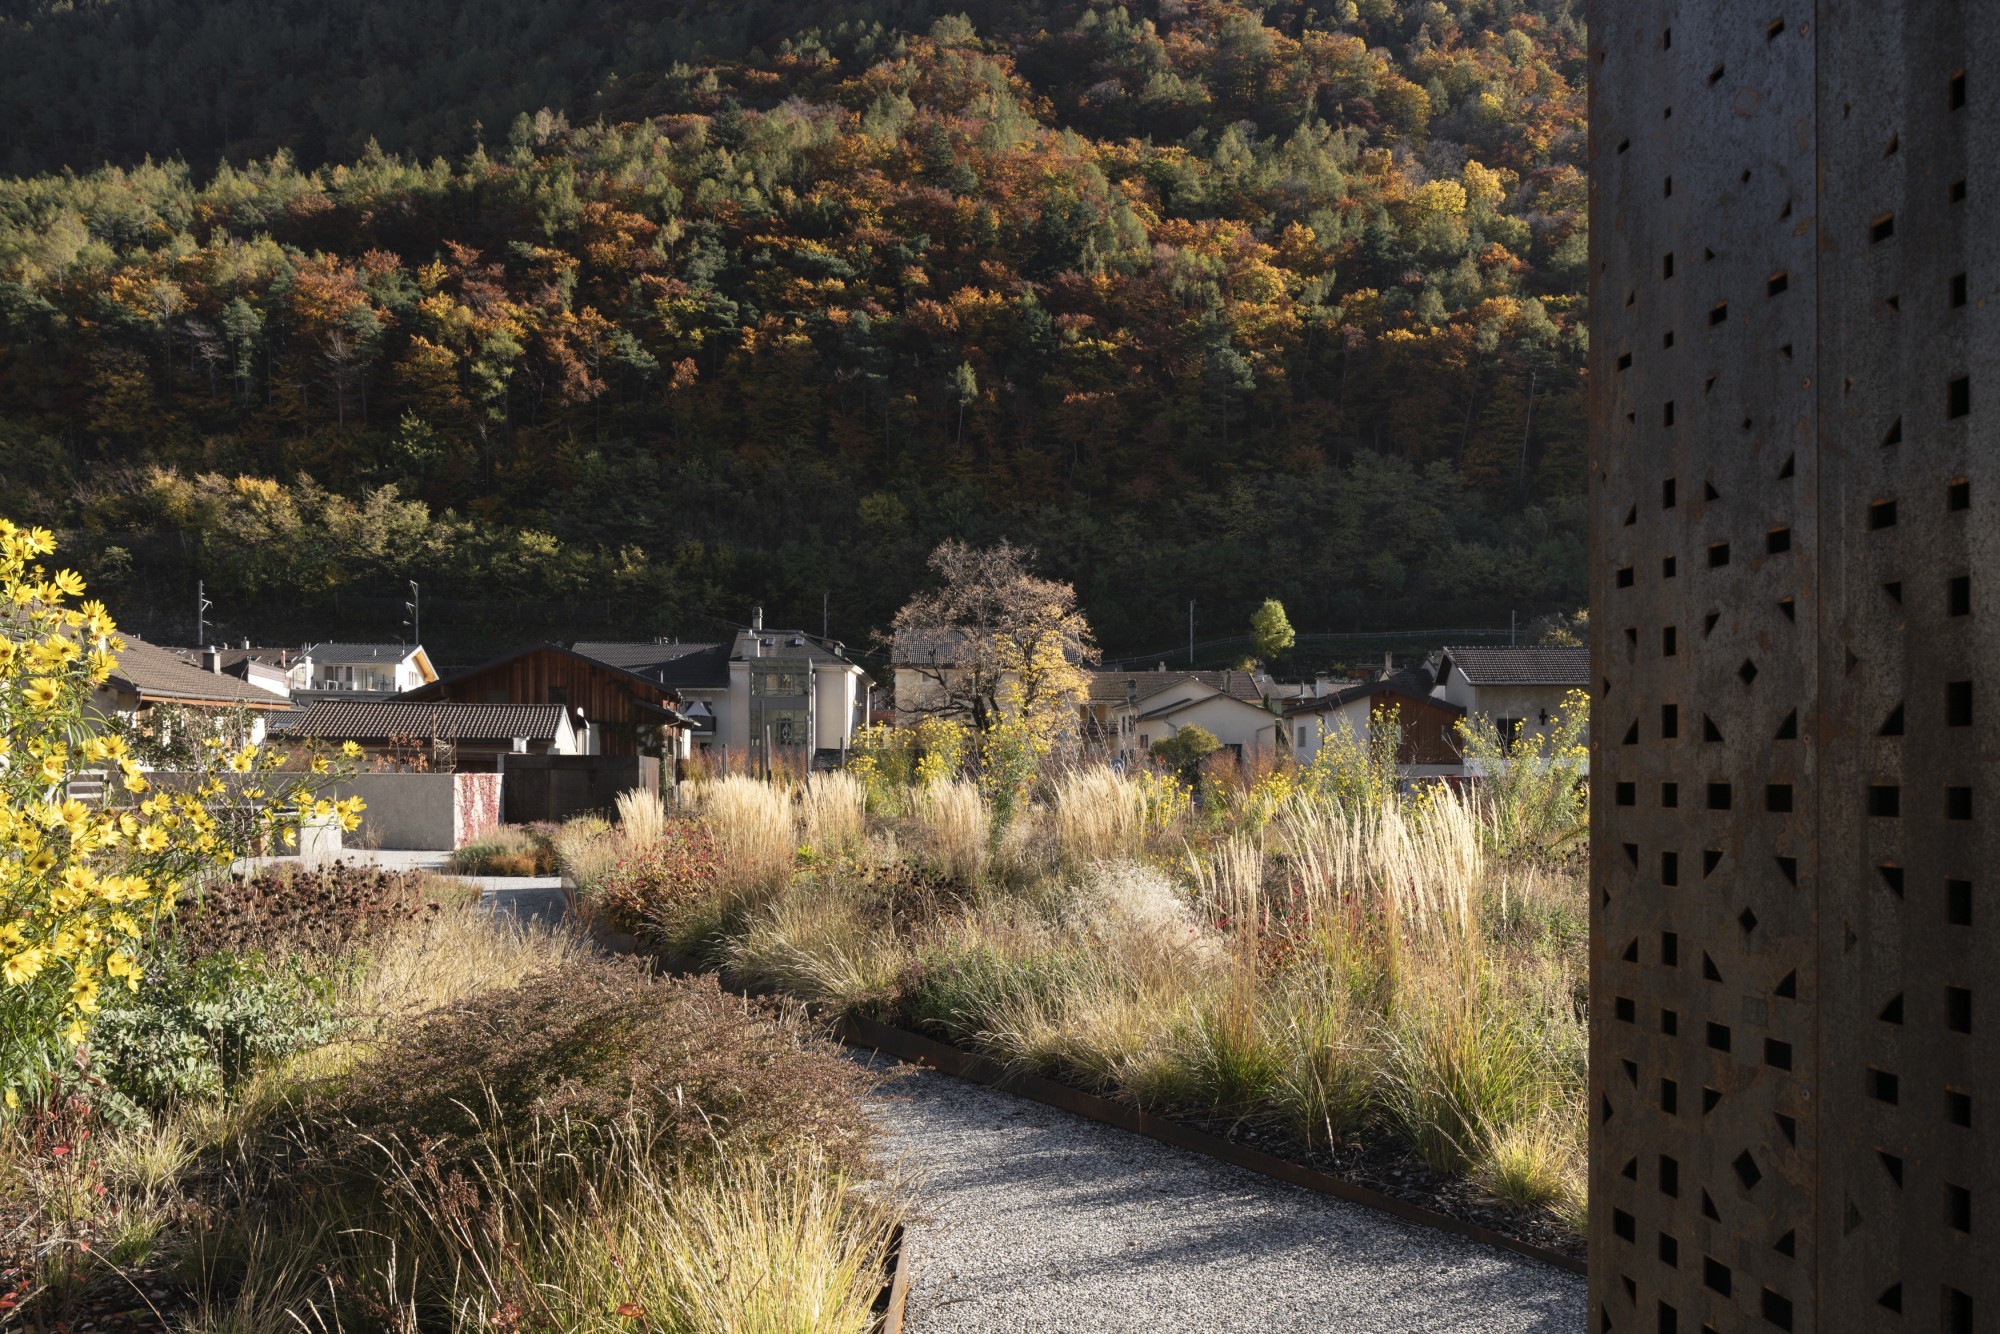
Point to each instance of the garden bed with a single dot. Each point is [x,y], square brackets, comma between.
[1382,991]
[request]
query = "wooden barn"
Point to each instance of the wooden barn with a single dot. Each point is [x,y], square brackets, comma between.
[620,712]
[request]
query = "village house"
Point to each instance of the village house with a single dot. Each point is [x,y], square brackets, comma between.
[440,737]
[377,669]
[1522,689]
[1429,745]
[278,670]
[1126,713]
[613,711]
[794,691]
[148,677]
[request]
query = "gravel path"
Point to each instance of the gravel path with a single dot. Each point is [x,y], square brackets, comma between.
[1029,1218]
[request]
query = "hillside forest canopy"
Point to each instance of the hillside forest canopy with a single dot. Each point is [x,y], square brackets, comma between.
[624,317]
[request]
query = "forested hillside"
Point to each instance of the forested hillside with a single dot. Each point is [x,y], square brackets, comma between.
[650,311]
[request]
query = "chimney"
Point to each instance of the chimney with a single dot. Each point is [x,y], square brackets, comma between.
[1388,664]
[211,660]
[756,618]
[1163,666]
[1319,686]
[246,642]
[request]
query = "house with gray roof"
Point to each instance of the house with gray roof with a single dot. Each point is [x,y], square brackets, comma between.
[369,669]
[148,676]
[794,692]
[1521,688]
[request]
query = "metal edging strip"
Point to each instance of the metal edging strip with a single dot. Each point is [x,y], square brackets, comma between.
[932,1054]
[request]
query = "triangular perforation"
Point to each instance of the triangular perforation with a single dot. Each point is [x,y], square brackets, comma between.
[1708,491]
[1788,867]
[1632,733]
[1710,859]
[1709,731]
[1631,954]
[1788,470]
[1892,1013]
[1894,435]
[1631,516]
[1892,876]
[1788,730]
[1788,986]
[1708,968]
[1708,623]
[1708,1208]
[1709,1098]
[1893,724]
[1787,1245]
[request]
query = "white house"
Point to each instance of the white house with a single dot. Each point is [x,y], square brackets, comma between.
[1128,713]
[378,669]
[796,691]
[1522,689]
[476,736]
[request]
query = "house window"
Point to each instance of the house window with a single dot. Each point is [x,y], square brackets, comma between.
[1510,731]
[791,683]
[1145,744]
[1302,736]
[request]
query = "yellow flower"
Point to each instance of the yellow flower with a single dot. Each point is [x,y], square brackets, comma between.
[6,652]
[42,693]
[69,583]
[21,968]
[13,1099]
[50,769]
[74,1033]
[242,760]
[152,839]
[350,750]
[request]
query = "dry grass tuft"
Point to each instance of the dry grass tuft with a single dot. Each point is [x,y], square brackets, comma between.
[642,817]
[833,813]
[752,824]
[956,829]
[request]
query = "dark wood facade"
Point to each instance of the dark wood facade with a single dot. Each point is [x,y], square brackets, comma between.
[622,706]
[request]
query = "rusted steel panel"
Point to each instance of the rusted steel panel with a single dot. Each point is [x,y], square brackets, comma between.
[1787,835]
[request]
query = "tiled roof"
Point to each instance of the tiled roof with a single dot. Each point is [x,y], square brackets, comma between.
[1414,683]
[376,720]
[235,657]
[1109,686]
[1176,706]
[157,675]
[342,654]
[1519,666]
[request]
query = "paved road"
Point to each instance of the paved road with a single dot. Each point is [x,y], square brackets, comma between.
[1031,1218]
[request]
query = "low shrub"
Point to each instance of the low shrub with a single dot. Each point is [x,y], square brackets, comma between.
[592,1044]
[665,889]
[285,909]
[507,850]
[202,1025]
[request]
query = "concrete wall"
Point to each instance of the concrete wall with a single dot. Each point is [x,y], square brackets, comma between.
[424,812]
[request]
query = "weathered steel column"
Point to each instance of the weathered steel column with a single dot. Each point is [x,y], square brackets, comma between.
[1794,380]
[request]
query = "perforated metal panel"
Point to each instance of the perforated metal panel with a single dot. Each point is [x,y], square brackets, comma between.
[1792,879]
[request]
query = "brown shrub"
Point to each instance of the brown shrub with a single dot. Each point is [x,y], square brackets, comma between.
[599,1042]
[287,909]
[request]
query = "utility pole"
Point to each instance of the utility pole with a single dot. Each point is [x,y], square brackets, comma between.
[1511,641]
[201,606]
[414,609]
[825,602]
[1190,634]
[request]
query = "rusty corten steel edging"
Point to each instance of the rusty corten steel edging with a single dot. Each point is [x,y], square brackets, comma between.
[916,1049]
[897,1298]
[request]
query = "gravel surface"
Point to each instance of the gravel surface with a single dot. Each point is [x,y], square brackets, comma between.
[1029,1218]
